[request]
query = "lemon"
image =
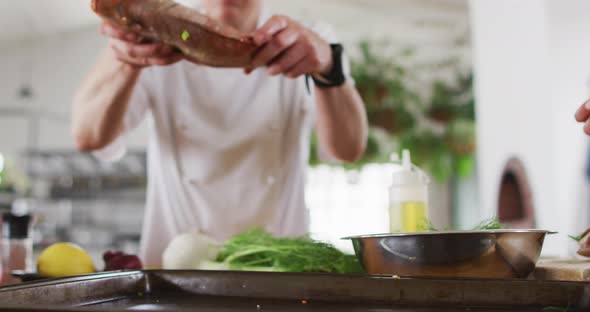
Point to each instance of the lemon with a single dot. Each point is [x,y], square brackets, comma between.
[64,259]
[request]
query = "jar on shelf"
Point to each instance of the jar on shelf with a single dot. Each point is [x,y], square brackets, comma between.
[16,246]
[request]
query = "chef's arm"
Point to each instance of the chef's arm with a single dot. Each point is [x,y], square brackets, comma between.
[101,102]
[288,48]
[342,125]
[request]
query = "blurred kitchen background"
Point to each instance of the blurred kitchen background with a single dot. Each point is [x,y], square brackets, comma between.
[482,93]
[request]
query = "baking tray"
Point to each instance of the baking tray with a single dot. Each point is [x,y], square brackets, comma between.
[255,291]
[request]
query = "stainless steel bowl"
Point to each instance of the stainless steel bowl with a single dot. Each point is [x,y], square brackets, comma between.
[468,254]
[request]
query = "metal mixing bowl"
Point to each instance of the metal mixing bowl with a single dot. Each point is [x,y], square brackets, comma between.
[468,254]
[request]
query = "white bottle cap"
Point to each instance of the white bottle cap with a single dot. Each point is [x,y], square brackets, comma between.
[409,175]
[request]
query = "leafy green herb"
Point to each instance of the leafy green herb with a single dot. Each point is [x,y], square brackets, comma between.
[427,226]
[257,250]
[559,309]
[576,238]
[490,224]
[185,35]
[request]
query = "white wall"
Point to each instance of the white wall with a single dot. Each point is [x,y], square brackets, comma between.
[54,66]
[532,72]
[11,64]
[569,37]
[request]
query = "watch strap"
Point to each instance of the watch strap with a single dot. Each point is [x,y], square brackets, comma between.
[335,77]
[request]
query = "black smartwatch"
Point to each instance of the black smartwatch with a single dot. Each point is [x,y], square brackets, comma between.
[336,77]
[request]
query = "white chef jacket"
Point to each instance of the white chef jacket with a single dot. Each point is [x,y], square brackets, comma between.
[227,151]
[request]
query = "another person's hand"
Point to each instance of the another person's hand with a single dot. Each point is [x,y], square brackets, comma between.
[288,48]
[583,115]
[129,48]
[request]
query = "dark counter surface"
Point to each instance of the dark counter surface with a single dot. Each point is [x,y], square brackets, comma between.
[249,291]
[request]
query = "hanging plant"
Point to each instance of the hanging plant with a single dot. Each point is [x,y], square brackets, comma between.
[400,116]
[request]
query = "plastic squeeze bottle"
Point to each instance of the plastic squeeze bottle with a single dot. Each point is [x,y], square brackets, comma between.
[408,197]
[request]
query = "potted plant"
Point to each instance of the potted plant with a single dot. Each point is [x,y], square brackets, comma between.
[438,128]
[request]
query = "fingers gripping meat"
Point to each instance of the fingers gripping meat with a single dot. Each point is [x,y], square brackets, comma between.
[201,39]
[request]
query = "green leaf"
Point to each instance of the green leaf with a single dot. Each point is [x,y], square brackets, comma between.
[485,225]
[185,35]
[441,166]
[491,224]
[576,238]
[465,166]
[313,150]
[427,226]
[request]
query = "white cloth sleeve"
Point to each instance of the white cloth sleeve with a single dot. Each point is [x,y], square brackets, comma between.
[139,104]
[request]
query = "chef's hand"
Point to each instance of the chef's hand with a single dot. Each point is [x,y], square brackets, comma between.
[583,115]
[129,48]
[288,48]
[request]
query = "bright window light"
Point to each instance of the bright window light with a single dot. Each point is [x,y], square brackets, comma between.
[342,203]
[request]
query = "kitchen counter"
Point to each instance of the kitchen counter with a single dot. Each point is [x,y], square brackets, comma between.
[239,291]
[563,270]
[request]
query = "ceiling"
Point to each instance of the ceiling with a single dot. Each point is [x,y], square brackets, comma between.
[26,19]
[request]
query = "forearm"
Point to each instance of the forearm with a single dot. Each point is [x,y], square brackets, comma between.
[342,125]
[101,102]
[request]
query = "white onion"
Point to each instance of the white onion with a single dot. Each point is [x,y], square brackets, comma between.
[190,251]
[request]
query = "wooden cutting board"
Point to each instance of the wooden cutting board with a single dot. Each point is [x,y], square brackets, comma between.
[563,270]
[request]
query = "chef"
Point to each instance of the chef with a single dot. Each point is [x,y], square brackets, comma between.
[227,148]
[583,116]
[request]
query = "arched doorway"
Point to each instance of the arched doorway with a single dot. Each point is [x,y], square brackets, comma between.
[515,206]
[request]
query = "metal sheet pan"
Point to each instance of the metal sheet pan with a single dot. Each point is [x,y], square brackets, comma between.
[239,291]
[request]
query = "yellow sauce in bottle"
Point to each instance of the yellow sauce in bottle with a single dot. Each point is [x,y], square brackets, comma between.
[408,197]
[408,216]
